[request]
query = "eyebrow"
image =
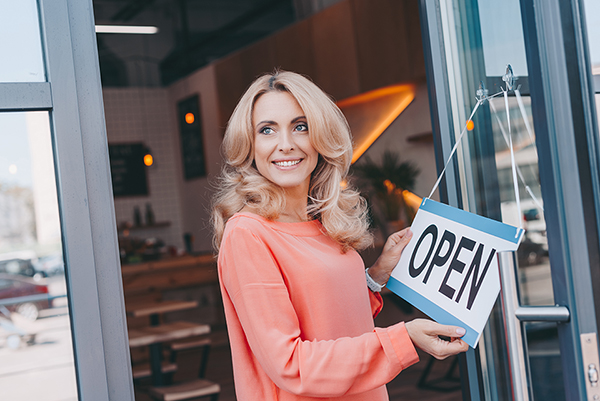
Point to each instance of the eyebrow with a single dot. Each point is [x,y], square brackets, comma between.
[268,122]
[271,122]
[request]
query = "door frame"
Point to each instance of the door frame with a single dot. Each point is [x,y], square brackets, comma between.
[72,96]
[567,144]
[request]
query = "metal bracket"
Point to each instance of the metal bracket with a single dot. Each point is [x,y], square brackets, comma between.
[589,352]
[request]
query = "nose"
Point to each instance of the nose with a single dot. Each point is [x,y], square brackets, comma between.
[286,142]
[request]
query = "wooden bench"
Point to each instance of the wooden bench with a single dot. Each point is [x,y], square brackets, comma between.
[201,343]
[186,391]
[193,389]
[155,336]
[143,370]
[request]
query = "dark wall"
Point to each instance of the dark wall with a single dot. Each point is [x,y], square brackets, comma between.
[349,48]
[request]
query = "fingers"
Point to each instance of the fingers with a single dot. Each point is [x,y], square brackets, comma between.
[390,255]
[401,235]
[445,349]
[401,238]
[425,335]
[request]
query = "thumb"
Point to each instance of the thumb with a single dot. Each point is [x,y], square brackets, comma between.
[452,331]
[401,238]
[446,330]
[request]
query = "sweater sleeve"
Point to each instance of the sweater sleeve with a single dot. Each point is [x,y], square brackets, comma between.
[376,302]
[331,368]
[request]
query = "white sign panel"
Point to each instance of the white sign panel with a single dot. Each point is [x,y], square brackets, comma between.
[449,269]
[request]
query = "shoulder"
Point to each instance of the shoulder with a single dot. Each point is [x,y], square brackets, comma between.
[246,220]
[245,224]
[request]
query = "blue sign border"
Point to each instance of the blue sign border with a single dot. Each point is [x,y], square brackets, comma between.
[488,226]
[432,310]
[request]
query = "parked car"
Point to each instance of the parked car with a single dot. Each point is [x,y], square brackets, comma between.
[18,265]
[534,245]
[14,286]
[49,265]
[532,250]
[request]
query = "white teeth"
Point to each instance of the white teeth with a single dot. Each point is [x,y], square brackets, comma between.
[287,163]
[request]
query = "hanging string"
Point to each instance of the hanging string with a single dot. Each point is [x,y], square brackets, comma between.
[525,119]
[512,161]
[509,78]
[454,149]
[519,173]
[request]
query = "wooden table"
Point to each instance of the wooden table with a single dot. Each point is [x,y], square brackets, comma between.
[154,309]
[154,336]
[169,273]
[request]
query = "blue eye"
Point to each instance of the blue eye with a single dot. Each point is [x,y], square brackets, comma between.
[267,130]
[302,127]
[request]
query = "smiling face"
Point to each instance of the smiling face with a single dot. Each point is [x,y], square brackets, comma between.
[283,153]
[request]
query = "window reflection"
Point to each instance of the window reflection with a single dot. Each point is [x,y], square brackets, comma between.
[592,10]
[21,44]
[535,281]
[35,336]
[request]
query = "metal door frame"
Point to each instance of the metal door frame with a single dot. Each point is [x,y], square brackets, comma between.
[73,97]
[563,109]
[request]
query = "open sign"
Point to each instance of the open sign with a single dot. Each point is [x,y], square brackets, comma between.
[449,269]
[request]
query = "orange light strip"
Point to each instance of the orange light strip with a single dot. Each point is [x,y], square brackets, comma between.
[408,92]
[412,200]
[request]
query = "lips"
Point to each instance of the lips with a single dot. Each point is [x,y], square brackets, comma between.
[286,163]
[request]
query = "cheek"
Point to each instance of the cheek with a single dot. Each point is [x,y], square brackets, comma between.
[261,158]
[313,155]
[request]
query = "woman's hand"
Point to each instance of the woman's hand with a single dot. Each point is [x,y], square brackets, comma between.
[425,335]
[382,269]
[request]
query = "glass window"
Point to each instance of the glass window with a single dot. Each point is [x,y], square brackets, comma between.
[35,336]
[592,10]
[19,22]
[481,37]
[501,34]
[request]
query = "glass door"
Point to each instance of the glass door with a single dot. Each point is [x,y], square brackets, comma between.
[62,317]
[529,159]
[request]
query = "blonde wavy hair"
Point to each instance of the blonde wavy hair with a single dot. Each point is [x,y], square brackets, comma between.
[341,211]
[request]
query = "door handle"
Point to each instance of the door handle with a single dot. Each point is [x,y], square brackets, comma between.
[510,304]
[542,313]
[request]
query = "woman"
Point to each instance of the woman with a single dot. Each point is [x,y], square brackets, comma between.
[298,304]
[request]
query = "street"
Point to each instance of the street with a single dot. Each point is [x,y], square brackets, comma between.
[42,371]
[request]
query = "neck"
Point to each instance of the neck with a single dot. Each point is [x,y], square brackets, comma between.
[295,207]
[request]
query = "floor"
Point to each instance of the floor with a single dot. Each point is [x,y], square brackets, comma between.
[403,387]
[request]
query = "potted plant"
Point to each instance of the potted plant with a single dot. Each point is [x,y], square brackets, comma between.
[383,184]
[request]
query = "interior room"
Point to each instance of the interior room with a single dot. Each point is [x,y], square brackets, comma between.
[113,120]
[168,95]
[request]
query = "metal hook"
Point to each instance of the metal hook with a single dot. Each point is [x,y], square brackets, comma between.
[481,92]
[509,78]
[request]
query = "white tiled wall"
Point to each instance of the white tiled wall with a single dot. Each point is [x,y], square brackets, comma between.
[196,194]
[144,115]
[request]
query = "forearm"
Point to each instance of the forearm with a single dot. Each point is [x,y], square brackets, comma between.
[381,271]
[379,274]
[326,368]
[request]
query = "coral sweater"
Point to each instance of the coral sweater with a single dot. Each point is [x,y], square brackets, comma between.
[300,316]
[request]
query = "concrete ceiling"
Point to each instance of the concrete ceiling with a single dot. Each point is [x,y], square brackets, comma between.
[192,33]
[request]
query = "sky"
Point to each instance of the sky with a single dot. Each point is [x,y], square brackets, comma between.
[502,35]
[14,150]
[20,25]
[592,11]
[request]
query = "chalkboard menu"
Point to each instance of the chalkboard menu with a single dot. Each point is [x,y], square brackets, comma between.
[128,170]
[190,127]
